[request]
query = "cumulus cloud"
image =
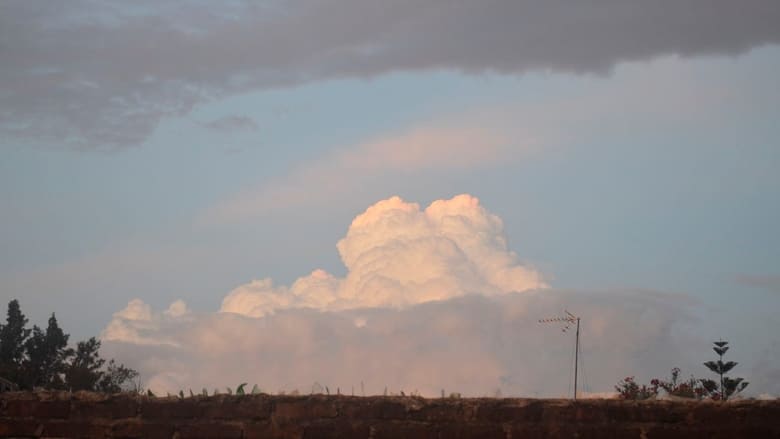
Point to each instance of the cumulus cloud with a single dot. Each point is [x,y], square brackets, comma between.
[136,309]
[398,255]
[433,299]
[177,309]
[104,74]
[129,323]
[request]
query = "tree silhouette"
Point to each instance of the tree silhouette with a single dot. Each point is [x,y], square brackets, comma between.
[47,354]
[83,373]
[728,386]
[13,335]
[31,359]
[116,377]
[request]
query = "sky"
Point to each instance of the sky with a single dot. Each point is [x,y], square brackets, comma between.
[395,192]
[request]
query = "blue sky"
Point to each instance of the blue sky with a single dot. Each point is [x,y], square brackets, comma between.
[650,171]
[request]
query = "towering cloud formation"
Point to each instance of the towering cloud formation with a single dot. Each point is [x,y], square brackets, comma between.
[433,299]
[397,256]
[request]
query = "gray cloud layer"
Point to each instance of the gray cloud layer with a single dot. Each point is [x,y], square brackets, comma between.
[104,74]
[232,123]
[475,345]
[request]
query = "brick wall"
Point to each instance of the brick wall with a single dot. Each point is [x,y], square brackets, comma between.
[60,414]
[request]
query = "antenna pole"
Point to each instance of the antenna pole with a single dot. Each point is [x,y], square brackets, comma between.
[567,320]
[576,357]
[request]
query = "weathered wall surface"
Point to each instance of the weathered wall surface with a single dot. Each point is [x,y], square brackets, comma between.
[264,416]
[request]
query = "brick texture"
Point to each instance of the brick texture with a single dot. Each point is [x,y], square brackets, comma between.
[88,415]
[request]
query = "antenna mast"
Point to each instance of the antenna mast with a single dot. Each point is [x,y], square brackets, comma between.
[568,320]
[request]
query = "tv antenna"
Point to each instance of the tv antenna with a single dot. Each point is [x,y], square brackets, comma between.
[568,320]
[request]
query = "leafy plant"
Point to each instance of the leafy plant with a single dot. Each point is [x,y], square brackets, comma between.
[629,389]
[728,386]
[240,389]
[84,371]
[117,378]
[690,388]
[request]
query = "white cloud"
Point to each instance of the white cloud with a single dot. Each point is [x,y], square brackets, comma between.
[257,299]
[137,324]
[177,309]
[136,310]
[397,255]
[432,300]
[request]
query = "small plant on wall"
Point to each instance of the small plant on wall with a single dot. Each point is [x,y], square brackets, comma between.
[690,388]
[674,386]
[629,389]
[693,387]
[728,387]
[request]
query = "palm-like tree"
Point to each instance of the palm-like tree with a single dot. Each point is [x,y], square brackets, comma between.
[728,386]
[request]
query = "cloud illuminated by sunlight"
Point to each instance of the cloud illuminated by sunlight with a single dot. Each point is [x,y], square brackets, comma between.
[398,255]
[433,299]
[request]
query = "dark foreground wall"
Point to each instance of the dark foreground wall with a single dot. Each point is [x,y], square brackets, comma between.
[261,416]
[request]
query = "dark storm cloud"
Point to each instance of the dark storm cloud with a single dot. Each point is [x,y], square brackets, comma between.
[102,74]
